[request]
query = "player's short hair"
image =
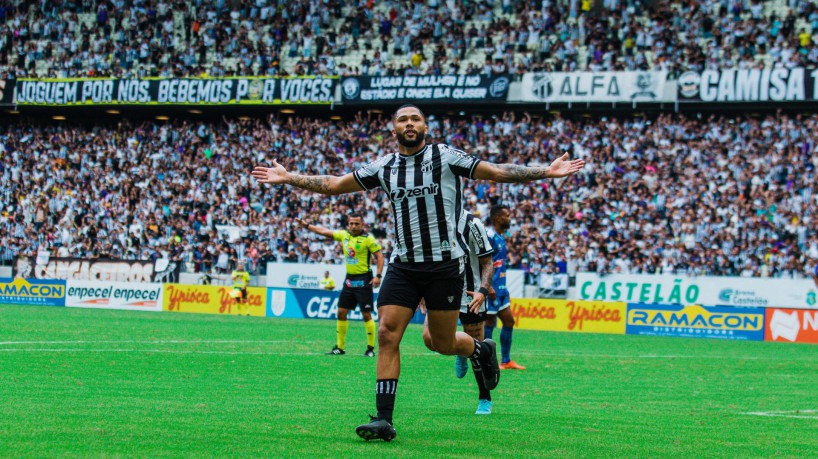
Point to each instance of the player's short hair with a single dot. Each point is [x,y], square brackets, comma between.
[354,215]
[395,115]
[496,210]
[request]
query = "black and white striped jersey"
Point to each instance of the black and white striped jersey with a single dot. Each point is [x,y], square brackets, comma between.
[479,245]
[427,200]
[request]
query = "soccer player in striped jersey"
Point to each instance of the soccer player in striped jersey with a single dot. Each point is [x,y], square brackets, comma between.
[479,272]
[423,183]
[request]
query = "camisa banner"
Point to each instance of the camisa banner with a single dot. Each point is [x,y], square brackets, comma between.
[177,91]
[706,290]
[424,89]
[749,85]
[596,87]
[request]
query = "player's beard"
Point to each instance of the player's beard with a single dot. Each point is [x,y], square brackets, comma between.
[410,143]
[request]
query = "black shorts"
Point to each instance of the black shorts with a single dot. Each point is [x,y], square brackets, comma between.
[440,283]
[243,293]
[468,318]
[357,291]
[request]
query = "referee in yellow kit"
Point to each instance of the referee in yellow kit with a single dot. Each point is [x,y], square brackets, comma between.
[358,249]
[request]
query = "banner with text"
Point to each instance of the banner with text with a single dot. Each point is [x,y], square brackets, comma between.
[424,89]
[596,87]
[32,292]
[303,275]
[212,299]
[134,296]
[792,325]
[569,316]
[185,91]
[749,85]
[161,270]
[706,290]
[723,322]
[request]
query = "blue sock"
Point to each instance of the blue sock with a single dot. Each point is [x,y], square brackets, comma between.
[488,332]
[505,343]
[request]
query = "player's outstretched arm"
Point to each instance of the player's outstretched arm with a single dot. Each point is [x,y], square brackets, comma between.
[324,184]
[512,173]
[326,232]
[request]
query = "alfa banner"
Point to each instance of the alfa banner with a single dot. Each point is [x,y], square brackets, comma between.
[749,85]
[704,290]
[80,269]
[425,89]
[185,91]
[596,87]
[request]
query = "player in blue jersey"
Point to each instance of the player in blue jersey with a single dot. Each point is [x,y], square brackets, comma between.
[500,305]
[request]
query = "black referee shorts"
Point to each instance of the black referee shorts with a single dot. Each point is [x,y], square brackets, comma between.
[440,283]
[357,291]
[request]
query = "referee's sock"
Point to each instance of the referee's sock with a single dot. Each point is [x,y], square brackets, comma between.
[342,327]
[385,390]
[369,326]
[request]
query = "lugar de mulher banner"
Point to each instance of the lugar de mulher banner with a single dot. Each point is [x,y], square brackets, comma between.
[176,91]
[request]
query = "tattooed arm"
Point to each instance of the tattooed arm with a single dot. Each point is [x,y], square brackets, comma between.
[512,173]
[324,184]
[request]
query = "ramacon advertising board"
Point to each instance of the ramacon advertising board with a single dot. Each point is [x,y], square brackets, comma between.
[569,316]
[32,292]
[695,321]
[211,299]
[792,325]
[135,296]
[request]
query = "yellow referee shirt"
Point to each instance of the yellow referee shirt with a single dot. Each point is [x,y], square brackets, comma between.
[357,250]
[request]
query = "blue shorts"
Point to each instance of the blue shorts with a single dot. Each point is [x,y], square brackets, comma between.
[498,304]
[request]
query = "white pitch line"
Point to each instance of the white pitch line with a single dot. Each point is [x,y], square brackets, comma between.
[4,343]
[795,414]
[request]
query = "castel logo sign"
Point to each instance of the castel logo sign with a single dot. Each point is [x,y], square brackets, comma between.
[32,292]
[792,325]
[726,322]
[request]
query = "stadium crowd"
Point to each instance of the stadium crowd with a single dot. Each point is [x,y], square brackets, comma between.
[716,196]
[139,38]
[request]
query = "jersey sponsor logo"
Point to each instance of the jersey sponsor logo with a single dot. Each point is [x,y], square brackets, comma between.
[399,194]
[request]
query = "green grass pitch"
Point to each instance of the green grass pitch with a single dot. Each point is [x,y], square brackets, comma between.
[96,383]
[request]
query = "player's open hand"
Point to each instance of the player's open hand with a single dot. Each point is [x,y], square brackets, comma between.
[563,167]
[303,223]
[275,175]
[476,302]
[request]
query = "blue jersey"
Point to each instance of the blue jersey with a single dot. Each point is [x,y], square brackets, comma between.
[500,258]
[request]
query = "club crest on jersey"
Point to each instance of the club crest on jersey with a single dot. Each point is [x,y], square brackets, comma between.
[427,166]
[450,298]
[444,246]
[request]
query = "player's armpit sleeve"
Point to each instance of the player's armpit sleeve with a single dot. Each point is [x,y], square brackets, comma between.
[460,163]
[367,176]
[338,235]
